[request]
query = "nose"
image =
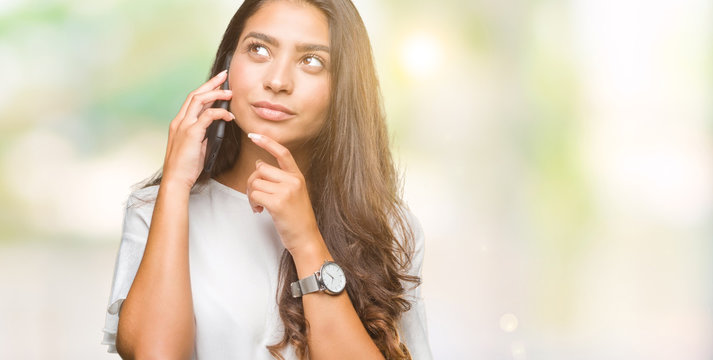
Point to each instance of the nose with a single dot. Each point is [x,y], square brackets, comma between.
[279,77]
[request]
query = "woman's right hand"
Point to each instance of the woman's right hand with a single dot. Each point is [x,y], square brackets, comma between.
[185,153]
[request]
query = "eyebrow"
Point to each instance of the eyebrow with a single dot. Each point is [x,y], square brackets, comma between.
[301,47]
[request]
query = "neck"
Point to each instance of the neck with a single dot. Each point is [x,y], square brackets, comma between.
[237,176]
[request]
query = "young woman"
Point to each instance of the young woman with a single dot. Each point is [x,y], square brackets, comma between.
[297,245]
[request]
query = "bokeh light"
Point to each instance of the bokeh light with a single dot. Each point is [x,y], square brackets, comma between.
[508,323]
[421,54]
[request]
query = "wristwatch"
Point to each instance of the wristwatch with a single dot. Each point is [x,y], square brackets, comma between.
[330,279]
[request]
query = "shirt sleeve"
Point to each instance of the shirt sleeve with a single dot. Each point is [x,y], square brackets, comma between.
[414,329]
[137,218]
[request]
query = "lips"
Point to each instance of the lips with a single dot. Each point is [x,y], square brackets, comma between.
[272,112]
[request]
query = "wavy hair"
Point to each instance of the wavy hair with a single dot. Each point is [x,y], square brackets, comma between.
[353,185]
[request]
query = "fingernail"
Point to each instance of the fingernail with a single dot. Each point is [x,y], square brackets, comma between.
[222,73]
[255,136]
[258,162]
[229,92]
[232,115]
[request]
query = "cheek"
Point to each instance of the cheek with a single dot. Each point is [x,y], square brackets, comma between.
[242,79]
[318,98]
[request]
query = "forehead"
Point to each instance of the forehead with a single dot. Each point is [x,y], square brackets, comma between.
[290,22]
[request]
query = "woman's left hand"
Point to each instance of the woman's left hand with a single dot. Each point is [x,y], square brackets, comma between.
[283,192]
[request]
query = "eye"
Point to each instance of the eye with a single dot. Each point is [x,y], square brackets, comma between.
[313,61]
[258,50]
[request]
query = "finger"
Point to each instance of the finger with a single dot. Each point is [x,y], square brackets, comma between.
[211,84]
[209,115]
[248,190]
[204,147]
[256,183]
[281,153]
[265,186]
[207,105]
[268,172]
[214,82]
[262,200]
[256,207]
[198,101]
[170,138]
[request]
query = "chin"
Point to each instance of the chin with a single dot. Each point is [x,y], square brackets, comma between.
[288,133]
[270,130]
[267,130]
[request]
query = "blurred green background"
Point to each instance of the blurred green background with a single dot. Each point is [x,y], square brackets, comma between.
[557,153]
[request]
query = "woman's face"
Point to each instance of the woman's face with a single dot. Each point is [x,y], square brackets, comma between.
[279,73]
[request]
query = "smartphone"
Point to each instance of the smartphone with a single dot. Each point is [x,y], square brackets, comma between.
[216,129]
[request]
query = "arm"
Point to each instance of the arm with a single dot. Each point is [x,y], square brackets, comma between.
[335,330]
[157,319]
[157,316]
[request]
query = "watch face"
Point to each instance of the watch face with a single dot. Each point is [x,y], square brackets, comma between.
[333,277]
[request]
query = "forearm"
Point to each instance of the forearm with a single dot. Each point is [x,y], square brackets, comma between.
[157,315]
[335,330]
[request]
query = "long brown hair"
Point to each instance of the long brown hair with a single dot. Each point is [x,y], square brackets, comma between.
[353,185]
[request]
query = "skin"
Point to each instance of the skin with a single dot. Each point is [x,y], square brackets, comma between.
[157,317]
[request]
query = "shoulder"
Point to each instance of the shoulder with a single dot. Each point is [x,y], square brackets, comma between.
[140,203]
[412,235]
[146,196]
[142,197]
[411,238]
[139,209]
[415,226]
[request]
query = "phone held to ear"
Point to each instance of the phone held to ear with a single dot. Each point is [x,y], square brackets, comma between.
[216,129]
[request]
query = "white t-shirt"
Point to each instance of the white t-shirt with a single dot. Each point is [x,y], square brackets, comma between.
[234,257]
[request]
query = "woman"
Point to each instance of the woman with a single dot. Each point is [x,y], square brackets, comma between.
[249,261]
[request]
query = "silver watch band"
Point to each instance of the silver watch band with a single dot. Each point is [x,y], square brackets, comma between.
[305,286]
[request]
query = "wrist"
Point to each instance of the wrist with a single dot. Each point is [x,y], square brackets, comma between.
[174,186]
[309,257]
[173,193]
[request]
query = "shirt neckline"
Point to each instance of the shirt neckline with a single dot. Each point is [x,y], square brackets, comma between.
[227,189]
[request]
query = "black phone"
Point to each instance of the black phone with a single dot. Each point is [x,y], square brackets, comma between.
[216,129]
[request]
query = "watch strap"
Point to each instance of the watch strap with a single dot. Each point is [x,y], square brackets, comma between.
[305,286]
